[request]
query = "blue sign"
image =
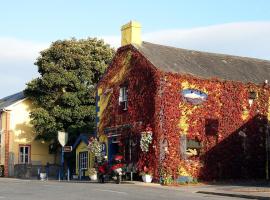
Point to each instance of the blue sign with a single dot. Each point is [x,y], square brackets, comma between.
[194,96]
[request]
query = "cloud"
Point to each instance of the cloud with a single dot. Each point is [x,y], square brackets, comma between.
[19,50]
[17,59]
[244,39]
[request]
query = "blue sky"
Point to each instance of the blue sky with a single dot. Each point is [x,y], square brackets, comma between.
[239,27]
[53,19]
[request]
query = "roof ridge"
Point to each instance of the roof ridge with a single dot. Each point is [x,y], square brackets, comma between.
[204,64]
[9,96]
[11,99]
[206,52]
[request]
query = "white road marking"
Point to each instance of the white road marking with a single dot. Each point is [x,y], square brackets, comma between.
[113,191]
[54,186]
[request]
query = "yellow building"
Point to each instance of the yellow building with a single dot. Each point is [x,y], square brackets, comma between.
[84,158]
[18,146]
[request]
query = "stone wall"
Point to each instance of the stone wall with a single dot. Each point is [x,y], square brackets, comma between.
[28,171]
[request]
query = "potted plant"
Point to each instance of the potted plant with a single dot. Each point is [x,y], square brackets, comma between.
[95,147]
[92,174]
[1,170]
[146,175]
[43,176]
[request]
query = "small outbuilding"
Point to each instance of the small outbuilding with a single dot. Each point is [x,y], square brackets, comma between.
[84,158]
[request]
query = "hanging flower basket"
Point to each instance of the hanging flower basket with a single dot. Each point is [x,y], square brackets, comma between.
[146,139]
[95,147]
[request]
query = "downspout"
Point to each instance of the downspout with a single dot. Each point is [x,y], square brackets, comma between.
[267,147]
[267,137]
[6,132]
[1,132]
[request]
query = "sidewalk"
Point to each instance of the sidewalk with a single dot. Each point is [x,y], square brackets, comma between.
[247,190]
[240,190]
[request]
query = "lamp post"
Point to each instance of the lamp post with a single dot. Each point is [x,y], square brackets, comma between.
[62,138]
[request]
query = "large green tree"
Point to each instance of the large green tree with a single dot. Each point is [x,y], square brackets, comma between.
[63,95]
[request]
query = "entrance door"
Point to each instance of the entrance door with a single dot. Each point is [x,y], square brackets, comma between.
[83,163]
[113,148]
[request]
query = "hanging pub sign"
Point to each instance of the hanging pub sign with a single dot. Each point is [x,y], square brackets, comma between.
[194,96]
[103,149]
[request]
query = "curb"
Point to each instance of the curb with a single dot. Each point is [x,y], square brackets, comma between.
[235,195]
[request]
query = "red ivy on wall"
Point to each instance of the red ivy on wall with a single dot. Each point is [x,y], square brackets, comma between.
[154,97]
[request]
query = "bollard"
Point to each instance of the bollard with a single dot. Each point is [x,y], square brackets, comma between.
[68,174]
[47,170]
[59,175]
[38,173]
[80,174]
[131,176]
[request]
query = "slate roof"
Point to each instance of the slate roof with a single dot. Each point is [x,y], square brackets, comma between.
[9,100]
[206,65]
[82,137]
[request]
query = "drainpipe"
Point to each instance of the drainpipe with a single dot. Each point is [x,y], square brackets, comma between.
[1,132]
[267,139]
[6,133]
[267,147]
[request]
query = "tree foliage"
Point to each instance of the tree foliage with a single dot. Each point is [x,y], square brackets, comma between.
[64,94]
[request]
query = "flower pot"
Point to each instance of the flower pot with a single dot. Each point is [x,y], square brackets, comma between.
[93,177]
[147,178]
[43,176]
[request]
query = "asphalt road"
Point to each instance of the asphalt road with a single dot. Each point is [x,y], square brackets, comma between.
[14,189]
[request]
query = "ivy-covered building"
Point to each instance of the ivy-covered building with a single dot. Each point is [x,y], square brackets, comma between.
[208,113]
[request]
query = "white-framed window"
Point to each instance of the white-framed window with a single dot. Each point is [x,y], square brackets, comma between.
[123,97]
[24,154]
[83,160]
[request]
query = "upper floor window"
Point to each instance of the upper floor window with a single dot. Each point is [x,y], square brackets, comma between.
[123,98]
[189,147]
[24,154]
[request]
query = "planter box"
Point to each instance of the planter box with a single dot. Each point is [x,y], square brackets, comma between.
[184,179]
[93,177]
[75,177]
[147,178]
[43,176]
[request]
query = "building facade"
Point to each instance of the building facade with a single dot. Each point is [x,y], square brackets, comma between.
[19,150]
[207,113]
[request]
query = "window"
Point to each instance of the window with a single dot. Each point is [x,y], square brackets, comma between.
[189,147]
[83,160]
[123,98]
[251,97]
[211,127]
[24,154]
